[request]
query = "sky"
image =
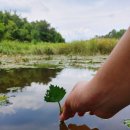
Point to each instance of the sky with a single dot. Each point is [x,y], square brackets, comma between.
[74,19]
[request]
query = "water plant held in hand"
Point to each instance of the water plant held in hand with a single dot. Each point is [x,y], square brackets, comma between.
[55,94]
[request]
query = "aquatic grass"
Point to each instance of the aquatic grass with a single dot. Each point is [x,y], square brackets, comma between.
[88,47]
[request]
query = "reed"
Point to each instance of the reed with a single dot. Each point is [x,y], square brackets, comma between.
[88,47]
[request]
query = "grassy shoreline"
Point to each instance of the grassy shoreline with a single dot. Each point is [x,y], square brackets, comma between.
[89,47]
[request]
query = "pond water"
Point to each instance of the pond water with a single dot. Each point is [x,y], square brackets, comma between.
[27,110]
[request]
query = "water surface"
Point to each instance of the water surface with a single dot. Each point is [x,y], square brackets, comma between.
[28,111]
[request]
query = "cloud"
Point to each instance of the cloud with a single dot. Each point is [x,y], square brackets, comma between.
[26,100]
[75,19]
[23,6]
[13,5]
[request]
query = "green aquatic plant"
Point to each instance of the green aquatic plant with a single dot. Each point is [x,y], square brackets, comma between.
[55,94]
[3,100]
[127,122]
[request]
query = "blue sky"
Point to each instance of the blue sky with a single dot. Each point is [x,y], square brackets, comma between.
[75,19]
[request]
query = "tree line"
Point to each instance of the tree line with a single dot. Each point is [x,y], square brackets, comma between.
[113,34]
[13,27]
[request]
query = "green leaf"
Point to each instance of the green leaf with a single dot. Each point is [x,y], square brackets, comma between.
[127,122]
[54,94]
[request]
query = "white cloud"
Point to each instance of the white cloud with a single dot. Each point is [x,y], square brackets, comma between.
[30,98]
[75,19]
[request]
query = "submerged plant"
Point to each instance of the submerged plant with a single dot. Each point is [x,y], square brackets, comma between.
[55,94]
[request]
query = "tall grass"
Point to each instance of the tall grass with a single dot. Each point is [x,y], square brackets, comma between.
[89,47]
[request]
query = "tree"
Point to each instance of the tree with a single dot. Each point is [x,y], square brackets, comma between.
[13,27]
[2,29]
[11,31]
[55,36]
[115,34]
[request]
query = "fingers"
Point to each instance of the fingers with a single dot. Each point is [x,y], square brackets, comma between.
[67,113]
[65,116]
[81,113]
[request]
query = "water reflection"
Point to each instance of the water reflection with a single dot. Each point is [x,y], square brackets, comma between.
[28,110]
[63,126]
[24,77]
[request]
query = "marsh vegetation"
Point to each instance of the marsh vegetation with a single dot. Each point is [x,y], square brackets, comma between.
[89,47]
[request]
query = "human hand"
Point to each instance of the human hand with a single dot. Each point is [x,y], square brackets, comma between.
[98,98]
[75,102]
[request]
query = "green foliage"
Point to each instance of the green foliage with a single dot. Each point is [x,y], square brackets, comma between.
[114,34]
[3,97]
[54,94]
[2,29]
[48,50]
[127,122]
[3,100]
[89,47]
[13,27]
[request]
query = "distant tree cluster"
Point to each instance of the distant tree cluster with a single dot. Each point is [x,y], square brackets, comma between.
[13,27]
[114,34]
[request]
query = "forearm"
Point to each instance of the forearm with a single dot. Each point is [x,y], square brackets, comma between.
[116,69]
[108,92]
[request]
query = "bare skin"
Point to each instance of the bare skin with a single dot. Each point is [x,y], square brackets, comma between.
[109,91]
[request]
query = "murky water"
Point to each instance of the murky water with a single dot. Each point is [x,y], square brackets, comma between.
[27,109]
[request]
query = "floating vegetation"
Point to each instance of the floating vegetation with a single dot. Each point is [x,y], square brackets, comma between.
[3,100]
[127,122]
[13,89]
[93,68]
[52,66]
